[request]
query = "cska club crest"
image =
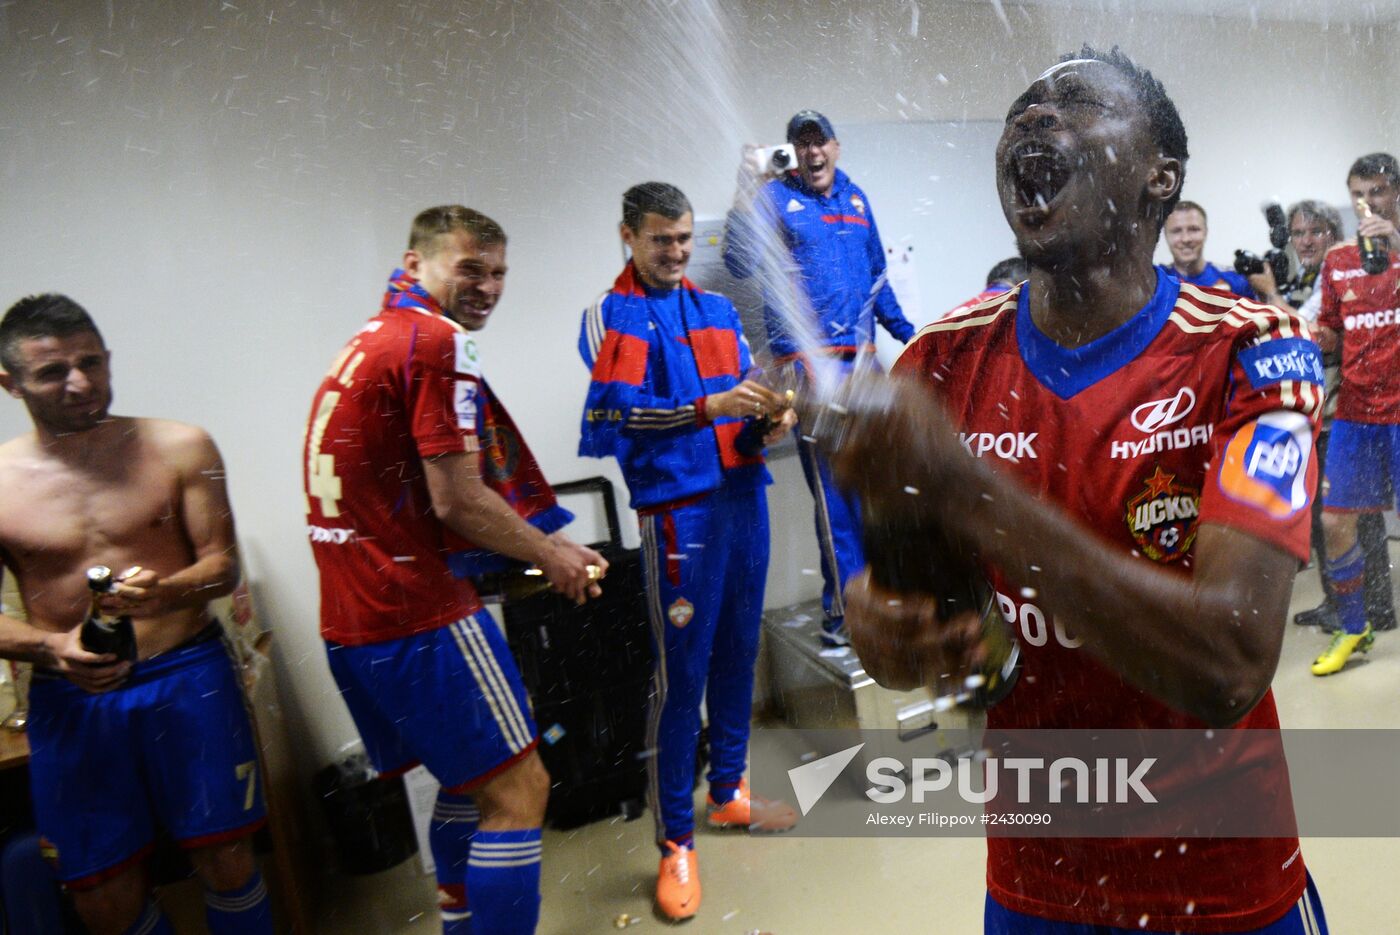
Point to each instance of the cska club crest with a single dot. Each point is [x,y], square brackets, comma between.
[858,203]
[501,447]
[1162,517]
[680,612]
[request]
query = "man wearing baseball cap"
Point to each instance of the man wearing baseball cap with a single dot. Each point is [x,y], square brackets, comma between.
[816,219]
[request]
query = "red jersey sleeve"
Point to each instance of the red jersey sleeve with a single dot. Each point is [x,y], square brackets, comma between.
[1330,315]
[444,388]
[1262,474]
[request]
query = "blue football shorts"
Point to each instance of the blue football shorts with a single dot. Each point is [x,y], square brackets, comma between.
[173,746]
[1363,464]
[1305,917]
[450,699]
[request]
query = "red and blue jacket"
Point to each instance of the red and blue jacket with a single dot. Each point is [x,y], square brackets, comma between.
[655,356]
[836,246]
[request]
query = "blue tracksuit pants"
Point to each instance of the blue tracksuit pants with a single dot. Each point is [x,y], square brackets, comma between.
[705,563]
[838,524]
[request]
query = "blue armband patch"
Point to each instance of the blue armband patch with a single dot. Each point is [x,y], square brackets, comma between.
[1282,359]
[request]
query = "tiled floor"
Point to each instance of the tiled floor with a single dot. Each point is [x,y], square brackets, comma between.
[800,886]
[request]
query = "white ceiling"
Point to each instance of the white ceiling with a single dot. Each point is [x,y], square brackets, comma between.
[1331,12]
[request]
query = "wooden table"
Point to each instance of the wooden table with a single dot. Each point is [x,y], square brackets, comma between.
[14,748]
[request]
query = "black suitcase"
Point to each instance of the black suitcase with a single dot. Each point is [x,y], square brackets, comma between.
[588,672]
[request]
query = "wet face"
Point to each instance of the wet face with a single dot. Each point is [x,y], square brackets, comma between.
[1185,233]
[1077,170]
[64,382]
[661,248]
[1311,239]
[466,278]
[816,159]
[1379,193]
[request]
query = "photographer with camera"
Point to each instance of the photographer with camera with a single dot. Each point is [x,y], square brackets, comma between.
[1185,233]
[825,227]
[1358,316]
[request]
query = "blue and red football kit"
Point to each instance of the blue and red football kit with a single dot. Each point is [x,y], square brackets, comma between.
[1363,452]
[424,671]
[173,746]
[1199,409]
[835,244]
[654,357]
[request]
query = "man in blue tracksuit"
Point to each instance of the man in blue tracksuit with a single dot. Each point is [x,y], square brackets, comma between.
[817,219]
[670,401]
[1185,233]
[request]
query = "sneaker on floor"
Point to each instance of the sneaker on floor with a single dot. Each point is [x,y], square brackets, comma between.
[834,632]
[750,811]
[1323,616]
[678,883]
[1340,650]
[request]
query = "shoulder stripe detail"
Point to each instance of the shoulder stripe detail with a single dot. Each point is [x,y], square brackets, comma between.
[657,419]
[593,322]
[983,313]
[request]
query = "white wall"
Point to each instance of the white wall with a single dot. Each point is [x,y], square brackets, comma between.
[226,186]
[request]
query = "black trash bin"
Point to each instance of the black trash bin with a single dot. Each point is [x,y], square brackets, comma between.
[368,815]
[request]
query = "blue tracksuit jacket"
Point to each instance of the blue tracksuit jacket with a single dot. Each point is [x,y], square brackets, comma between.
[836,246]
[653,356]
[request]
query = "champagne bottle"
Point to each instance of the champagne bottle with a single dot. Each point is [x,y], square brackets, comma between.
[1375,252]
[908,555]
[749,441]
[102,633]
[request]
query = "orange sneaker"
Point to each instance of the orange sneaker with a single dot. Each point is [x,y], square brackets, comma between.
[753,812]
[678,883]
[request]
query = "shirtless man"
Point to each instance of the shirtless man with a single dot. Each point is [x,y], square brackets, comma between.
[119,748]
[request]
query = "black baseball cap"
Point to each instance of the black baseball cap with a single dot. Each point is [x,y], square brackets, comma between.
[808,118]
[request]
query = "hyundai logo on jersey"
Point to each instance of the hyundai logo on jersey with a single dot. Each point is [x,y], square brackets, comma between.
[1159,413]
[1266,464]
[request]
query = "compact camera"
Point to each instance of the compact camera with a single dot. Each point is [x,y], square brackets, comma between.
[778,159]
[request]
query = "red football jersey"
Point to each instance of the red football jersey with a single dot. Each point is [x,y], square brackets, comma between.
[405,388]
[1201,409]
[978,299]
[1365,311]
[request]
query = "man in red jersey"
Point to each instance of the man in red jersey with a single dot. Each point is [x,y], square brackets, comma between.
[1361,315]
[409,458]
[1149,442]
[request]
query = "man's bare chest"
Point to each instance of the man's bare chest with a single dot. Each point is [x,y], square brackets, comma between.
[56,515]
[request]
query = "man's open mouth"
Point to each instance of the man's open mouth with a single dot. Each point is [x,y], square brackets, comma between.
[1038,173]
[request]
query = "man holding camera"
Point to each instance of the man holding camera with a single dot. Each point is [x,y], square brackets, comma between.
[671,400]
[1185,233]
[1359,316]
[825,227]
[1313,227]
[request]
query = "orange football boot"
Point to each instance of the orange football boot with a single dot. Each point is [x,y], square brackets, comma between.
[754,812]
[678,883]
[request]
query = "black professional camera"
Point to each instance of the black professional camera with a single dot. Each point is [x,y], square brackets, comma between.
[1248,264]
